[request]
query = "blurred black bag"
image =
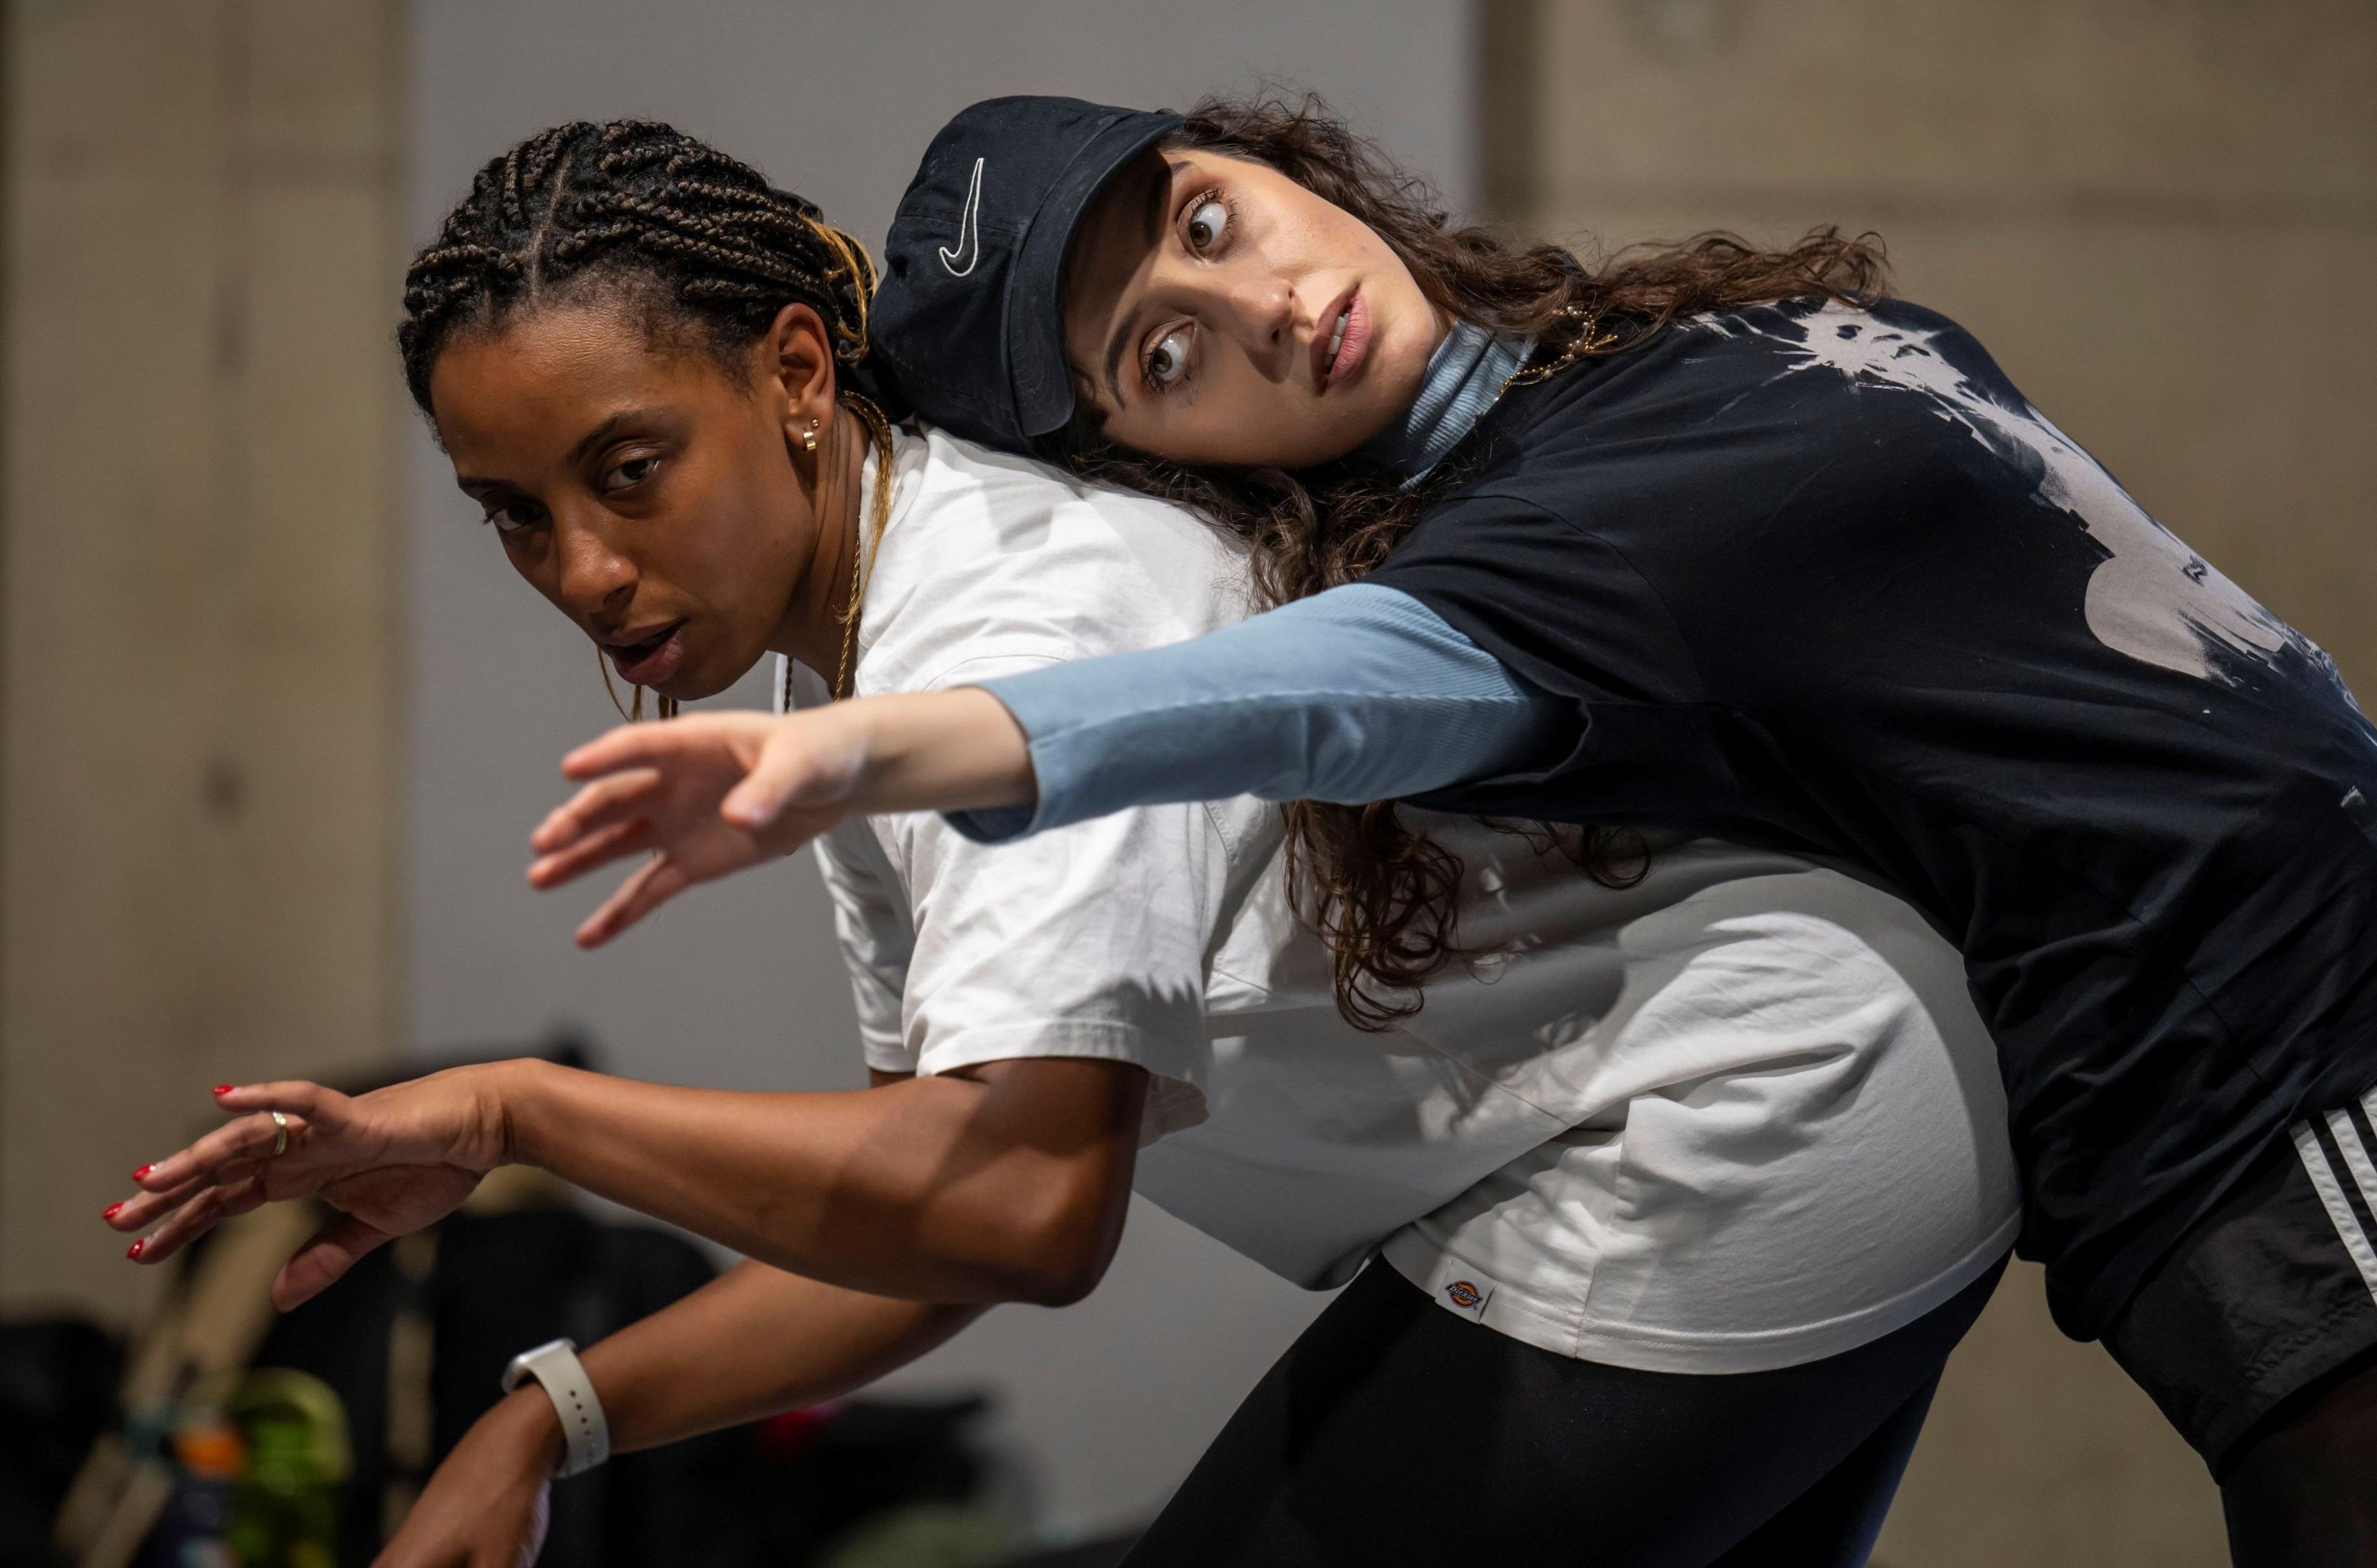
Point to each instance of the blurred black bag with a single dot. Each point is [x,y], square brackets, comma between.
[415,1339]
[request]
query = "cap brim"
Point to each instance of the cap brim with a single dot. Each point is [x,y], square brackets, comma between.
[1043,380]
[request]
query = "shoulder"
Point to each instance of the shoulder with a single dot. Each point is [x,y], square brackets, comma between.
[1831,366]
[1020,503]
[996,558]
[1694,366]
[1730,404]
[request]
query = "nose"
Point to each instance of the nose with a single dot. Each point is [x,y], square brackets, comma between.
[1260,311]
[596,581]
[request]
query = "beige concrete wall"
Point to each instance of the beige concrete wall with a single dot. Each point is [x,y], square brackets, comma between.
[2158,214]
[200,586]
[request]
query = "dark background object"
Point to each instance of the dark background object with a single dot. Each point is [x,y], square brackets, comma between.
[57,1394]
[1105,1553]
[770,1493]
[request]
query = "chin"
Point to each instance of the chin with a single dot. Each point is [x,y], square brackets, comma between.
[1353,427]
[684,687]
[709,671]
[694,680]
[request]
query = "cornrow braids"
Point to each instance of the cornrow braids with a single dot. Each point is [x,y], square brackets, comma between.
[644,209]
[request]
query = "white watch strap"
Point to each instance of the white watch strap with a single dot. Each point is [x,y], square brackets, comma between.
[585,1434]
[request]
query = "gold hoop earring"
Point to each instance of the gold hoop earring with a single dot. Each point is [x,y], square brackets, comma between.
[808,437]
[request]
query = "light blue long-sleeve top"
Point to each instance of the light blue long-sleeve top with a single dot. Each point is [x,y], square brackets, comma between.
[1361,693]
[1357,694]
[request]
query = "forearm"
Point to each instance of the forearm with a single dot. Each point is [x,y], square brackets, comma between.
[752,1343]
[747,1345]
[1355,694]
[954,750]
[943,1189]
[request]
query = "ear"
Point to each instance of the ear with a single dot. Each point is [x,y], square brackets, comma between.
[796,359]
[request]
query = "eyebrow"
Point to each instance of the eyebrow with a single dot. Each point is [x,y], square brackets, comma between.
[602,433]
[1159,203]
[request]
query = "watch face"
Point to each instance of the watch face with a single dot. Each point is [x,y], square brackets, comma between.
[523,1364]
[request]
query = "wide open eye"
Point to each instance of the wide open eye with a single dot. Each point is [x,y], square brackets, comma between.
[1169,360]
[1208,220]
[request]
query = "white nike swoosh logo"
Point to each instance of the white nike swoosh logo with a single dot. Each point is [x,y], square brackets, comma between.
[969,250]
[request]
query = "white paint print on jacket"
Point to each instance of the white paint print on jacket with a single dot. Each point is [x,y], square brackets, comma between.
[2154,599]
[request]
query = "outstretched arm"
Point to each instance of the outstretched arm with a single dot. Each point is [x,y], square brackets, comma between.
[1004,1181]
[1361,693]
[748,1345]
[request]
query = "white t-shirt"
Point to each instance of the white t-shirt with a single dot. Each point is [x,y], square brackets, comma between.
[1740,1115]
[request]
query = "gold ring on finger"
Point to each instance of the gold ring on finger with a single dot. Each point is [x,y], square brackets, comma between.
[280,1134]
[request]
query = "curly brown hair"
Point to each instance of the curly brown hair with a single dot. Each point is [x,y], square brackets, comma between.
[1380,893]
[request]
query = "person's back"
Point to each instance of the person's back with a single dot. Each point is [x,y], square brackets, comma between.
[1844,591]
[1638,1131]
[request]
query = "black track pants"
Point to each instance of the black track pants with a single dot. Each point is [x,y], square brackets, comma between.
[1392,1432]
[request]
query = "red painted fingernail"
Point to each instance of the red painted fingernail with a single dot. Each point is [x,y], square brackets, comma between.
[113,1209]
[142,1172]
[133,1250]
[225,1088]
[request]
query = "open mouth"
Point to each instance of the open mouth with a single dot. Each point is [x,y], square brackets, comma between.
[650,659]
[1340,353]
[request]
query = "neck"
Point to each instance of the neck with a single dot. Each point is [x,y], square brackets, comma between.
[813,631]
[1464,378]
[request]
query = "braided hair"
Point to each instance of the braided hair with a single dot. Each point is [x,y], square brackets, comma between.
[643,212]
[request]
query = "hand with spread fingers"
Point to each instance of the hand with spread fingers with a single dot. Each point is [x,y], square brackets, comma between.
[712,794]
[661,790]
[390,1162]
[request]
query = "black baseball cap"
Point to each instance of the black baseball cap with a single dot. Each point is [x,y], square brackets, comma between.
[968,324]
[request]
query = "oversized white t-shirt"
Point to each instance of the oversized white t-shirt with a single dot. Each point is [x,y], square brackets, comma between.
[1738,1117]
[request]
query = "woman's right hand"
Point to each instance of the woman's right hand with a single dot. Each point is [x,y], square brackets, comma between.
[489,1503]
[712,794]
[390,1162]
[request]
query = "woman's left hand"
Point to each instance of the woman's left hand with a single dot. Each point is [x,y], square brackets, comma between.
[661,792]
[707,795]
[390,1162]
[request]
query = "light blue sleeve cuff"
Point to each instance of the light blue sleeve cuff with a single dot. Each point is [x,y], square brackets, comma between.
[1361,693]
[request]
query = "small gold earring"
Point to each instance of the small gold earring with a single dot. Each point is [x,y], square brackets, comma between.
[808,437]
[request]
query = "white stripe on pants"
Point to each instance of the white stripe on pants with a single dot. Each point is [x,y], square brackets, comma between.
[2359,1169]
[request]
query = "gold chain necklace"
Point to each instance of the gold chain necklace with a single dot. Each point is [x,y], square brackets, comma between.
[1588,340]
[862,566]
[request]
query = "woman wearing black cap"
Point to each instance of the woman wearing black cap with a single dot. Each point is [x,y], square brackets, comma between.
[1679,1198]
[1716,540]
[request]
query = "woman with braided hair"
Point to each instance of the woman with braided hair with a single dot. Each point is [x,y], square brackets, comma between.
[1679,1193]
[721,252]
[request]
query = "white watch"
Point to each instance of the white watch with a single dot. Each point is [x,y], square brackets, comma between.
[586,1436]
